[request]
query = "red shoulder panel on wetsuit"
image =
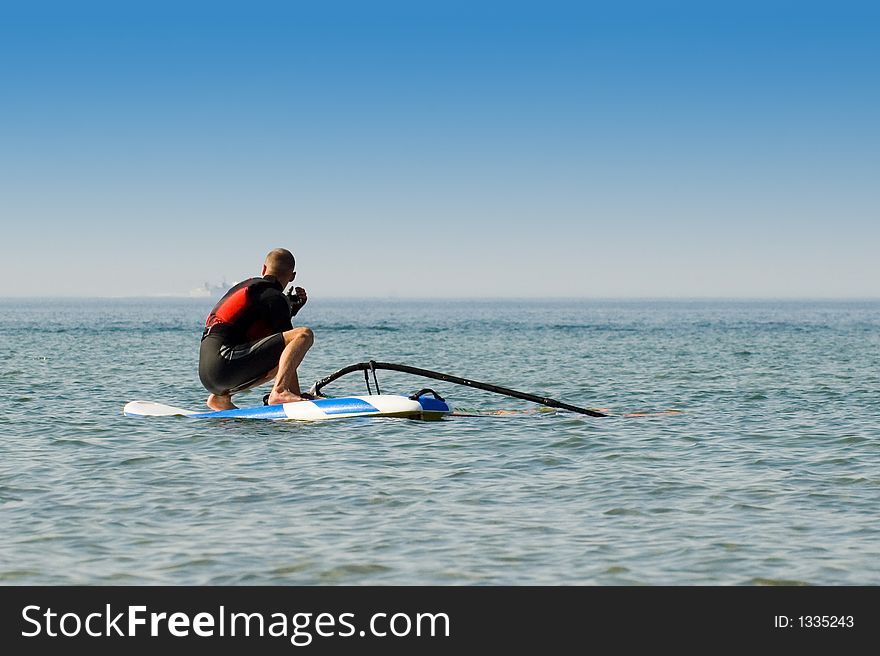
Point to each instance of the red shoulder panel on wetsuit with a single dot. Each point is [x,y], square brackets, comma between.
[230,308]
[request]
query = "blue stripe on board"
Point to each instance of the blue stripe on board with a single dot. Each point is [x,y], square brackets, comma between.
[258,412]
[430,404]
[344,406]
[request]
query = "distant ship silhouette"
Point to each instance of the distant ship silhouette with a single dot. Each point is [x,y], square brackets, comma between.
[209,290]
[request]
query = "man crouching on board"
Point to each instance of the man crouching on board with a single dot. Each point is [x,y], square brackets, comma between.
[249,338]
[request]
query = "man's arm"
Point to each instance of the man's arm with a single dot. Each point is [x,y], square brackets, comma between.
[279,313]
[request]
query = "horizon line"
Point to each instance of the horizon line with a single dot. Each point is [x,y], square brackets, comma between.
[184,297]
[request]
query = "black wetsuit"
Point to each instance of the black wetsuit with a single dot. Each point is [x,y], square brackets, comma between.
[243,337]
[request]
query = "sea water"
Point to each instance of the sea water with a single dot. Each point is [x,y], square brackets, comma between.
[769,475]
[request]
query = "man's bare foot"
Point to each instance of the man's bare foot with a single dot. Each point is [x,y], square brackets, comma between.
[289,397]
[218,402]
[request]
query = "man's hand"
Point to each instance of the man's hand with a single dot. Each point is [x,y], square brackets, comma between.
[296,298]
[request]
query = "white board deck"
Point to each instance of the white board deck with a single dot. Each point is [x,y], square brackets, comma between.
[376,405]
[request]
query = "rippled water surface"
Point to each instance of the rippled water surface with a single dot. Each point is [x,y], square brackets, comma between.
[771,475]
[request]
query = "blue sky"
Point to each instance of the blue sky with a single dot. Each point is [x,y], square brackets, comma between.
[442,149]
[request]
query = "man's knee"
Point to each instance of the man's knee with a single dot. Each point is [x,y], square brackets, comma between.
[306,335]
[302,335]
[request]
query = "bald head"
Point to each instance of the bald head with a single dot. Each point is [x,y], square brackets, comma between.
[279,263]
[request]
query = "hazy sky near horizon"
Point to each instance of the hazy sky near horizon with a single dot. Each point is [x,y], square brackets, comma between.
[430,149]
